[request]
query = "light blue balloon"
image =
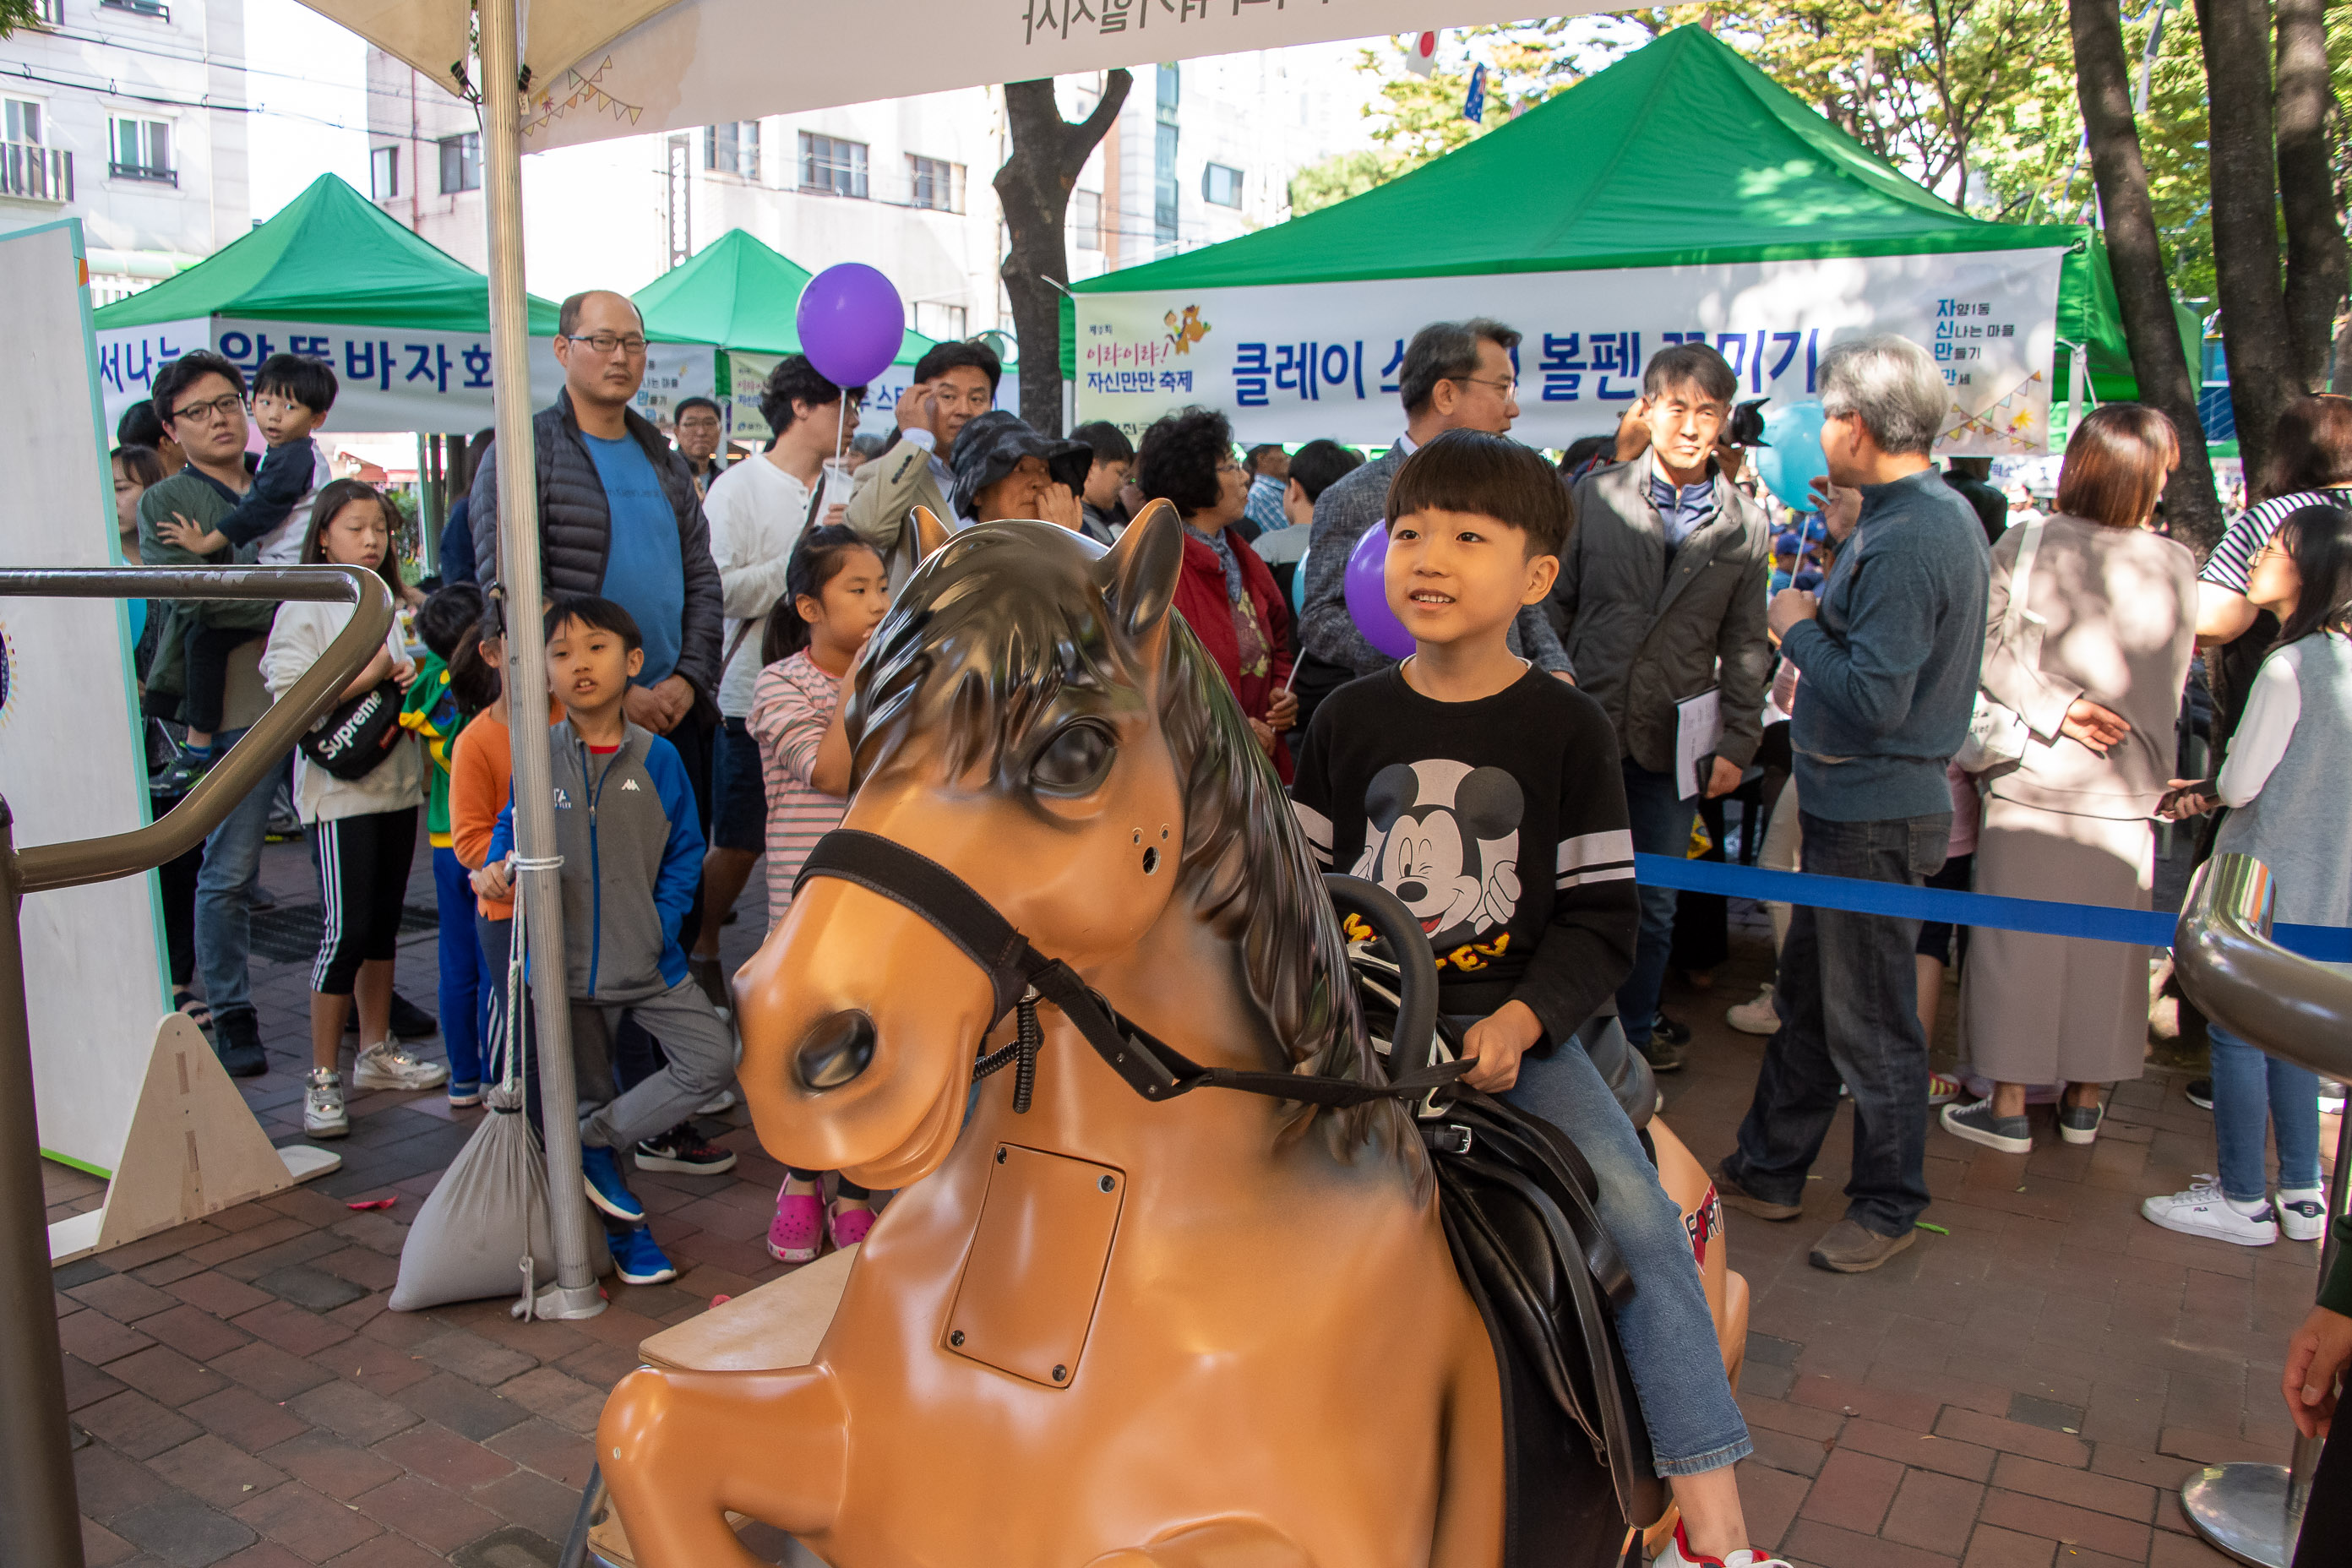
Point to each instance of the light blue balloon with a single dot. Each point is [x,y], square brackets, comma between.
[1297,588]
[1793,461]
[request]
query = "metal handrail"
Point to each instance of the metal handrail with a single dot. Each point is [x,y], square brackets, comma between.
[38,1498]
[2302,1011]
[2237,975]
[230,780]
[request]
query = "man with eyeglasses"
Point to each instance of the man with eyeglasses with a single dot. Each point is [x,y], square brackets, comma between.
[954,385]
[697,441]
[1456,375]
[200,399]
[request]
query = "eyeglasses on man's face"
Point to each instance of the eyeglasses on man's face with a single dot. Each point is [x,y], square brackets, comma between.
[605,342]
[1503,384]
[204,413]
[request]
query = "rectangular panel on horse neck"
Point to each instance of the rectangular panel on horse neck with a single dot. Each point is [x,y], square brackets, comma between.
[1035,1270]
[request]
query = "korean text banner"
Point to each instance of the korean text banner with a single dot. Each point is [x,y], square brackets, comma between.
[876,416]
[1297,362]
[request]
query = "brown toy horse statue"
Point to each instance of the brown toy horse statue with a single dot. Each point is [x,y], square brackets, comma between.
[1104,1331]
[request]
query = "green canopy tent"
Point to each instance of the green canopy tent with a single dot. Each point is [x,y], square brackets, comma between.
[1679,194]
[405,326]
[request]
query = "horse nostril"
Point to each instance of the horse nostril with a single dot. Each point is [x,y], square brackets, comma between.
[836,1048]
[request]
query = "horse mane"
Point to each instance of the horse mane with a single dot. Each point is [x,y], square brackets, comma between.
[982,641]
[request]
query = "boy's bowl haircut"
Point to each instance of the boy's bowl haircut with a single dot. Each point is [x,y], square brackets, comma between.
[1493,476]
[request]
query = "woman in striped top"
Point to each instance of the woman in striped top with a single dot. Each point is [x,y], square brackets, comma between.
[836,590]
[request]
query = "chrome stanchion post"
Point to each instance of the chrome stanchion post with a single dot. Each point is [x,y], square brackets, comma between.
[574,1293]
[2301,1011]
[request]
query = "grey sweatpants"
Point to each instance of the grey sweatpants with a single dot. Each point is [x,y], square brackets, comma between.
[693,1036]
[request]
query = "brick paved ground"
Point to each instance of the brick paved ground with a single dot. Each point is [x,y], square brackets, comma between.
[2023,1393]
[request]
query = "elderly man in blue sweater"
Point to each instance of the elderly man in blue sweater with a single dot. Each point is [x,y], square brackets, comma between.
[1889,655]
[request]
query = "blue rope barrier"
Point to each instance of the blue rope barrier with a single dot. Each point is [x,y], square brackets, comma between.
[2043,917]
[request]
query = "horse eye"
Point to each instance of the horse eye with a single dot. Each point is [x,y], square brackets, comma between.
[1074,761]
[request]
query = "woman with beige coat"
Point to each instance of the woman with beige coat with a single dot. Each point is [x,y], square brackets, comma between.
[2094,664]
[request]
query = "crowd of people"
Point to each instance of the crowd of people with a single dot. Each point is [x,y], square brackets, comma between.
[1916,683]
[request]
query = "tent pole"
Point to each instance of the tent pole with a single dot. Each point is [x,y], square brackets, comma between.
[574,1293]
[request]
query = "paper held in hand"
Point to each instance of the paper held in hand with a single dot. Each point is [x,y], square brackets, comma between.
[1698,725]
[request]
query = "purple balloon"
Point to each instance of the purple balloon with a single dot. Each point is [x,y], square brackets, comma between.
[851,323]
[1368,593]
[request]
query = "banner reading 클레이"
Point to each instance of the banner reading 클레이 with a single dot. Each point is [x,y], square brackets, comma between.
[1292,362]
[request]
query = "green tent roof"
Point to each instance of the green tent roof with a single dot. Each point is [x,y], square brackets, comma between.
[739,294]
[1575,182]
[331,255]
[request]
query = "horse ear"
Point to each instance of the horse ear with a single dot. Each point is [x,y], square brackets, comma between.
[930,534]
[1139,574]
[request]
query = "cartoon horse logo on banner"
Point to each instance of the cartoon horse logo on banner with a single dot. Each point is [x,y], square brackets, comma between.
[1094,1330]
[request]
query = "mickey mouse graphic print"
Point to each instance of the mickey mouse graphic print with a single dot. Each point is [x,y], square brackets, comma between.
[1500,824]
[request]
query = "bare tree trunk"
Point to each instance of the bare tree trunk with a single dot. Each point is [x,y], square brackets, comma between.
[2235,36]
[1034,187]
[2314,238]
[2104,84]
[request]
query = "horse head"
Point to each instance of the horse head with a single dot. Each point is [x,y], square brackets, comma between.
[1032,716]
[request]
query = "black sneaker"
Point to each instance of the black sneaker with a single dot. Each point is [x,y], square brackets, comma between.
[683,1150]
[1664,1053]
[236,1037]
[2201,1093]
[2080,1123]
[1975,1122]
[182,775]
[1664,1029]
[409,1022]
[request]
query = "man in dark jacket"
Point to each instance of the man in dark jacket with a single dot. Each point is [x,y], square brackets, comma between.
[619,517]
[1661,596]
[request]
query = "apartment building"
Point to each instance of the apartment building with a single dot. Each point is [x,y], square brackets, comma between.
[132,116]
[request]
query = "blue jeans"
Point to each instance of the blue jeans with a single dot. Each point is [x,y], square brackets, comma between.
[2251,1090]
[1661,826]
[1848,999]
[223,916]
[1667,1334]
[465,975]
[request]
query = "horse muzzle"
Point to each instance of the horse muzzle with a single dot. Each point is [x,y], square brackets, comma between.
[834,1050]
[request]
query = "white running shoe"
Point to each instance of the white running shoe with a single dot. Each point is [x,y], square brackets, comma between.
[1678,1554]
[2202,1210]
[2301,1216]
[1756,1017]
[388,1066]
[322,1105]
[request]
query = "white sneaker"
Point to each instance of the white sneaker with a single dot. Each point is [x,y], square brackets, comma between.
[1756,1017]
[388,1066]
[2203,1210]
[2331,1098]
[2301,1216]
[1678,1554]
[322,1105]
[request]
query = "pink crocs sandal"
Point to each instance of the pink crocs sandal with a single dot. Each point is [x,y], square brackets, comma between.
[850,1226]
[797,1232]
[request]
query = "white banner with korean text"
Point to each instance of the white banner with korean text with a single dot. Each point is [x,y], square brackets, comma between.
[1292,362]
[748,372]
[386,378]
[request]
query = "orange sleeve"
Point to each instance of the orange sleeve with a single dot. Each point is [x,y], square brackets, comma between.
[477,789]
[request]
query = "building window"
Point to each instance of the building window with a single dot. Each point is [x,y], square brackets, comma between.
[50,13]
[829,163]
[935,184]
[1086,219]
[1163,156]
[461,163]
[384,173]
[29,170]
[154,8]
[945,323]
[142,150]
[732,148]
[1221,185]
[20,121]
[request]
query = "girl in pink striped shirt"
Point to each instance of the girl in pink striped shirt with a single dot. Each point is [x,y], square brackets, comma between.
[836,590]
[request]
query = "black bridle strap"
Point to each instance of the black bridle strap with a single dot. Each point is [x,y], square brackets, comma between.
[1150,1066]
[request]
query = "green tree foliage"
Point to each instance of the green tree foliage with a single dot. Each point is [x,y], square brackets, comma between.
[15,14]
[1335,179]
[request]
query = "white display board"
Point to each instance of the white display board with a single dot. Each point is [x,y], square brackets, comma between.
[70,763]
[748,372]
[1297,362]
[386,379]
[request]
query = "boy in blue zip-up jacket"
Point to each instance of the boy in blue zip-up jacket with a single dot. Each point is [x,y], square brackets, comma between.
[625,825]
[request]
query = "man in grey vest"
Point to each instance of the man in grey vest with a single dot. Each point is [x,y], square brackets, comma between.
[1660,595]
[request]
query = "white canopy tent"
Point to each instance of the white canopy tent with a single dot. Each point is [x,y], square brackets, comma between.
[593,70]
